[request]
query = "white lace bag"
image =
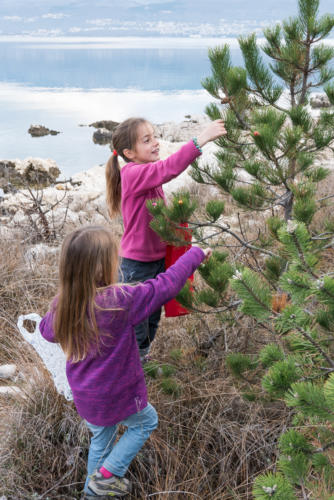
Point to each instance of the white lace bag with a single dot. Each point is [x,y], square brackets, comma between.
[51,354]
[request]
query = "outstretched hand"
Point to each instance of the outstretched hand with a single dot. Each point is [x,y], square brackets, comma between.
[208,253]
[214,130]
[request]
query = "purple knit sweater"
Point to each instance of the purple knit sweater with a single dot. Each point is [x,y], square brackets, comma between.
[142,182]
[110,386]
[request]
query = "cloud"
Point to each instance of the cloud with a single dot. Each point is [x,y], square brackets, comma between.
[59,15]
[44,32]
[20,19]
[77,29]
[152,2]
[171,28]
[12,18]
[101,22]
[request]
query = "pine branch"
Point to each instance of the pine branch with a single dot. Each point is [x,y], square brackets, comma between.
[322,237]
[226,229]
[232,305]
[325,198]
[301,256]
[306,68]
[255,297]
[315,344]
[324,448]
[266,327]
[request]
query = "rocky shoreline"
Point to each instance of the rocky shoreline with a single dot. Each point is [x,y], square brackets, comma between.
[33,197]
[32,194]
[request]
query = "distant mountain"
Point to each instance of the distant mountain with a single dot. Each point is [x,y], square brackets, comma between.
[143,17]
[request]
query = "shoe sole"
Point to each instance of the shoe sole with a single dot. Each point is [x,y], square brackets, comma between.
[103,497]
[107,494]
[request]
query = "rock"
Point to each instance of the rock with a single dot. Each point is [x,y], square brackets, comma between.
[102,136]
[320,101]
[38,254]
[98,219]
[6,233]
[19,217]
[16,174]
[9,390]
[40,130]
[7,371]
[183,131]
[169,131]
[108,124]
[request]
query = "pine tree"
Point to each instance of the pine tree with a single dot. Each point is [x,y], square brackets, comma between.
[271,134]
[270,162]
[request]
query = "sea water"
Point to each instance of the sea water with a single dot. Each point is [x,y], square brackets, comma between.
[67,86]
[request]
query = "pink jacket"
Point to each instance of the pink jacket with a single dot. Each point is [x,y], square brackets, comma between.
[142,182]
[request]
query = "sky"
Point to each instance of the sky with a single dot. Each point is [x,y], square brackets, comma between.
[101,18]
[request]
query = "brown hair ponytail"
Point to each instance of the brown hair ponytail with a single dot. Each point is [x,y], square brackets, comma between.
[124,137]
[113,181]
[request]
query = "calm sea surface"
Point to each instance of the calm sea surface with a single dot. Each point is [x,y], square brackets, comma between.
[64,86]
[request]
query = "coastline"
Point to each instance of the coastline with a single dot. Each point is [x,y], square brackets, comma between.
[81,200]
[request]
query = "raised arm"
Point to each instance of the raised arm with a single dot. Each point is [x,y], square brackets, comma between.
[139,178]
[147,297]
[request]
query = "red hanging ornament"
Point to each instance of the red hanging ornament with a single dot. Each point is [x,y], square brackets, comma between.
[173,308]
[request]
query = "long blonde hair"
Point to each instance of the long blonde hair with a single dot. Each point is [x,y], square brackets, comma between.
[124,137]
[88,260]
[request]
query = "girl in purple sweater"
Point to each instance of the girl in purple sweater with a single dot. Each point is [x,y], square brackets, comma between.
[93,320]
[129,188]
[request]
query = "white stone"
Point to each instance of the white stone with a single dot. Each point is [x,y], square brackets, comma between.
[61,213]
[5,232]
[38,163]
[97,219]
[38,254]
[9,390]
[183,131]
[19,217]
[100,203]
[7,371]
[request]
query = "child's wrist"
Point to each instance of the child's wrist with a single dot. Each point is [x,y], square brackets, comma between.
[196,143]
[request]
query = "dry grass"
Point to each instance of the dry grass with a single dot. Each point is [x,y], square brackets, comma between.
[24,288]
[210,443]
[44,447]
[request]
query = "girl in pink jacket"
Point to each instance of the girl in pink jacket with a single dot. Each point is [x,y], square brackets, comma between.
[129,188]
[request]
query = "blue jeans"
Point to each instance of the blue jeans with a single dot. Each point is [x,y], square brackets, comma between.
[117,458]
[133,271]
